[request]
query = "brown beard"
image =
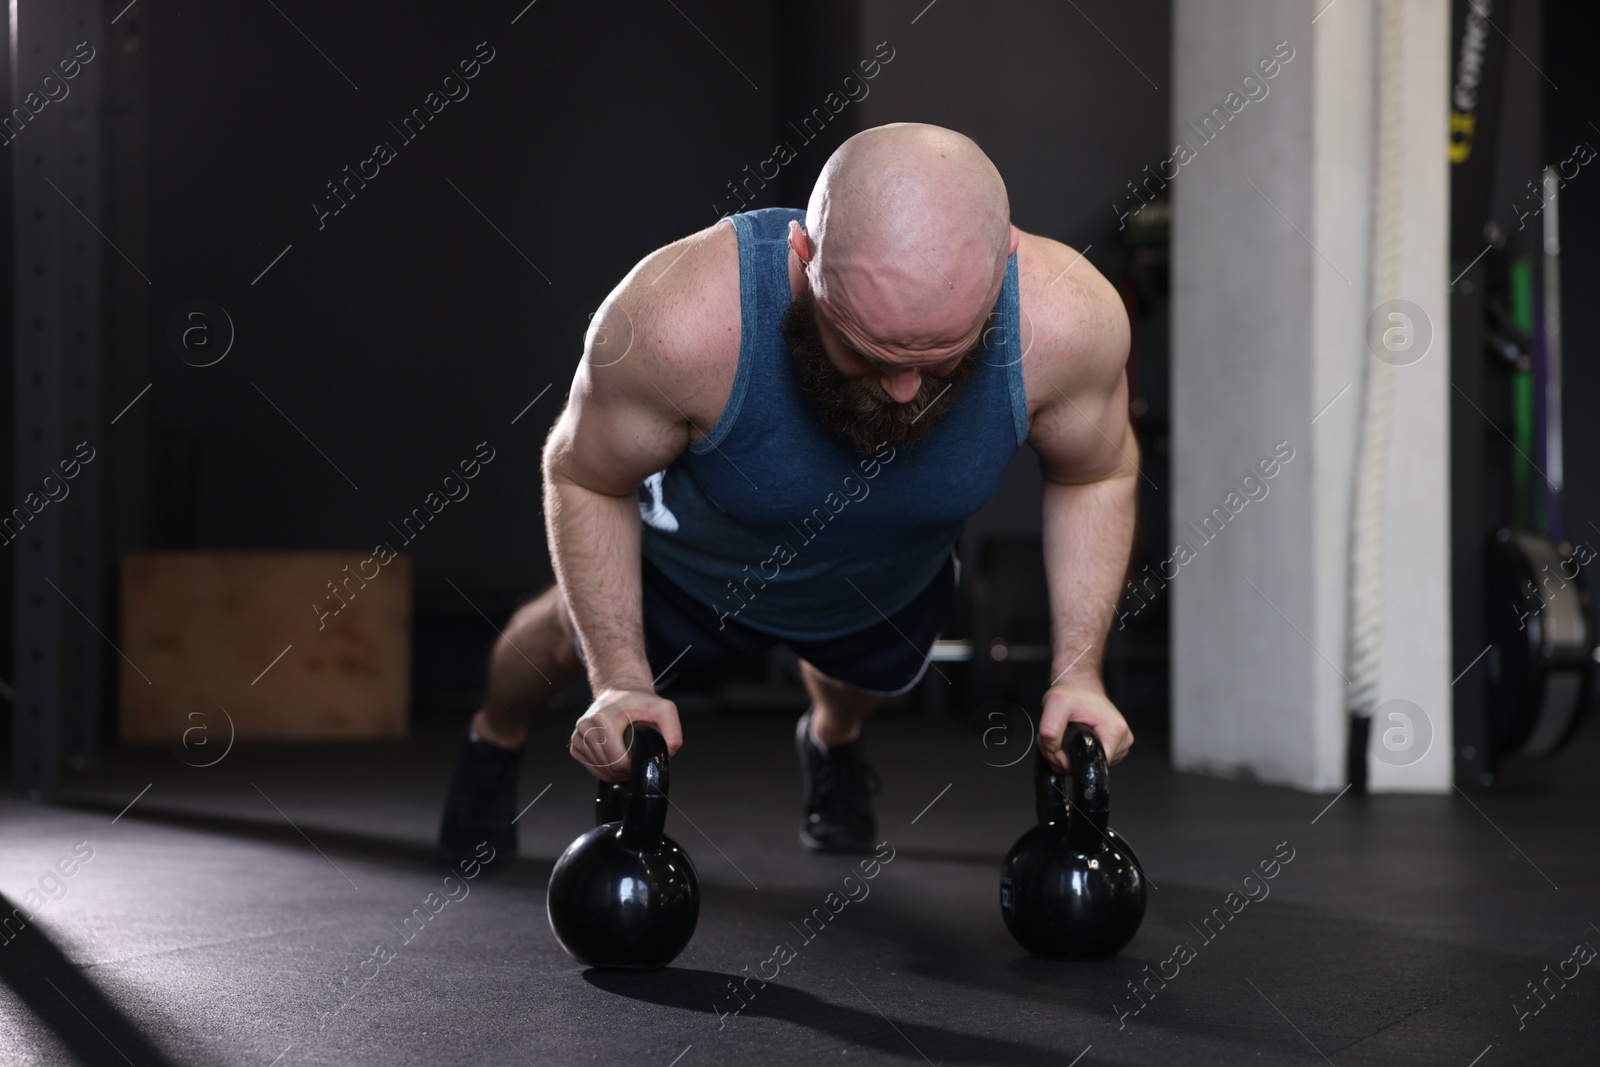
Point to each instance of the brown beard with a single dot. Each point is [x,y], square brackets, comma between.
[857,408]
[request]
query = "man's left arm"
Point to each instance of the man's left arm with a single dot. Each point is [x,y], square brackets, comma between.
[1090,462]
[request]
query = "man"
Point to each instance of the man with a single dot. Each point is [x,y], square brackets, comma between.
[778,428]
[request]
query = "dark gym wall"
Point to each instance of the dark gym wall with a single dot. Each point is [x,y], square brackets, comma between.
[394,336]
[1069,110]
[1067,115]
[7,422]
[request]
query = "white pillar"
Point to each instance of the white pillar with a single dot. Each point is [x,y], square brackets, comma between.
[1270,316]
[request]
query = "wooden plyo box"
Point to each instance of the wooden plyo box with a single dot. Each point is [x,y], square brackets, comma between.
[237,631]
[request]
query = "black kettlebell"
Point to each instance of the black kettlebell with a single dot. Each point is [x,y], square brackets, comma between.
[1070,888]
[625,895]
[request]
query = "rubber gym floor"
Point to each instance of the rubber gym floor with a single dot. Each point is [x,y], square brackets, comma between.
[234,914]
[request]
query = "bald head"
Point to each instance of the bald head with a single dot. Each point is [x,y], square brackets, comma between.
[909,232]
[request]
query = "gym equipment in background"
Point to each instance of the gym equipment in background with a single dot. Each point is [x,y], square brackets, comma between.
[1542,644]
[1541,634]
[625,895]
[1071,888]
[1523,629]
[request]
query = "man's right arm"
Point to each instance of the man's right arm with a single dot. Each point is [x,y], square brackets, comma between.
[607,441]
[618,428]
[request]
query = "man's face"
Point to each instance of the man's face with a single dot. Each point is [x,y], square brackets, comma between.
[856,405]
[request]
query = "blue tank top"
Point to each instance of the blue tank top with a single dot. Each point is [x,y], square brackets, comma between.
[774,522]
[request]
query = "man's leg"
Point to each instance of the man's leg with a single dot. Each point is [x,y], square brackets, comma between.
[840,707]
[532,664]
[886,659]
[838,783]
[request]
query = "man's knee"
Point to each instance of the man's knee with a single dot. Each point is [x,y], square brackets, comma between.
[835,685]
[545,621]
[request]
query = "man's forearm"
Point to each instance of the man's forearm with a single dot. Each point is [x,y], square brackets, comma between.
[594,547]
[1088,534]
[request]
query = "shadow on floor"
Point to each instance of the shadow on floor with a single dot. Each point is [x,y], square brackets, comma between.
[58,995]
[356,845]
[712,993]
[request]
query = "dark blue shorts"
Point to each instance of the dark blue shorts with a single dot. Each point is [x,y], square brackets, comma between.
[887,658]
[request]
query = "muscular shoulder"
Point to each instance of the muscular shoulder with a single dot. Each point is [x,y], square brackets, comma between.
[672,326]
[1074,325]
[1075,339]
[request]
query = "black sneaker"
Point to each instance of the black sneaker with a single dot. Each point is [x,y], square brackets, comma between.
[480,805]
[839,786]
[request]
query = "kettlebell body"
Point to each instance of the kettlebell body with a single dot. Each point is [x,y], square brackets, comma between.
[625,895]
[1071,888]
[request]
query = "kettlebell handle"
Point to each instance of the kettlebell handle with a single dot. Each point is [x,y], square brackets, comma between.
[641,803]
[1089,810]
